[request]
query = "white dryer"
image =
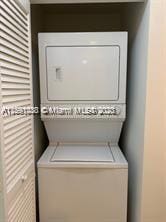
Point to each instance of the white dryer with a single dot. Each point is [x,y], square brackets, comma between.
[83,173]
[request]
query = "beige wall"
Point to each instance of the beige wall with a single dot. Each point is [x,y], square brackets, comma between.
[144,135]
[136,20]
[153,208]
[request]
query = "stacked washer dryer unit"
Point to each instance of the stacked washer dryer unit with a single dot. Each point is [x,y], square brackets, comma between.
[83,173]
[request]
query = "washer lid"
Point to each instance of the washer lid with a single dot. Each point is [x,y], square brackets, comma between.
[82,153]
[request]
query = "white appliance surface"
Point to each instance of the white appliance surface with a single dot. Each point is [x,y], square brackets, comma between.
[82,153]
[89,66]
[83,175]
[82,191]
[83,72]
[63,159]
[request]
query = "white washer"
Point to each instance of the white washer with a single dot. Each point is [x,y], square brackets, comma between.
[83,182]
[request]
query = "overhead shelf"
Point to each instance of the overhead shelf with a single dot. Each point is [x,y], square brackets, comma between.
[81,1]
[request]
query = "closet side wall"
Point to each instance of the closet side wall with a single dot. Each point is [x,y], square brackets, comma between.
[40,137]
[154,160]
[136,21]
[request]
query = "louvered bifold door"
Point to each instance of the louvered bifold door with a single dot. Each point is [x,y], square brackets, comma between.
[17,154]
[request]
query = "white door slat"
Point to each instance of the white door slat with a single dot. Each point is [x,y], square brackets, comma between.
[13,98]
[14,73]
[16,61]
[11,119]
[12,41]
[16,188]
[19,157]
[22,202]
[10,26]
[12,18]
[22,215]
[15,136]
[7,92]
[14,121]
[10,57]
[14,79]
[15,209]
[5,43]
[18,10]
[17,141]
[15,165]
[14,85]
[28,217]
[13,24]
[9,149]
[11,175]
[21,103]
[17,129]
[13,149]
[14,213]
[5,65]
[10,10]
[10,155]
[8,31]
[12,53]
[12,178]
[17,99]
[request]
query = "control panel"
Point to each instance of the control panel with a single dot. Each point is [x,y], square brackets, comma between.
[83,111]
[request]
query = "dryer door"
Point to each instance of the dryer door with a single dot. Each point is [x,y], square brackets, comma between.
[82,73]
